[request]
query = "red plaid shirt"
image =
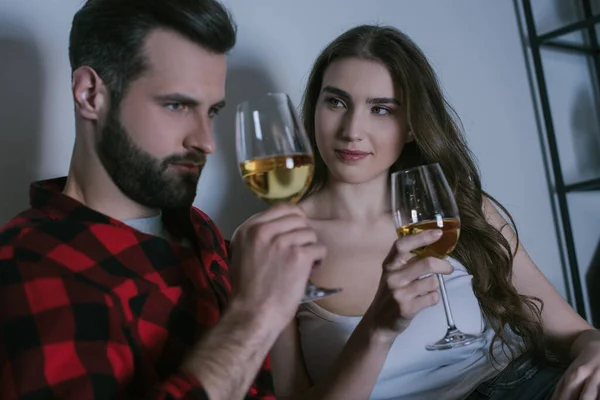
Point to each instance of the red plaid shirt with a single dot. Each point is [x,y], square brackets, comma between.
[91,308]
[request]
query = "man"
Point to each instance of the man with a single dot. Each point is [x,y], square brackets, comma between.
[112,285]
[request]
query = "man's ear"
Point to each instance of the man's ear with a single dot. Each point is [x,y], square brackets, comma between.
[90,93]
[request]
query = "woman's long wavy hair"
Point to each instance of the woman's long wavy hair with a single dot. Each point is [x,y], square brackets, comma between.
[438,138]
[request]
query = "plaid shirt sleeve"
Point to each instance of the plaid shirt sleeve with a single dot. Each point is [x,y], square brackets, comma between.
[62,338]
[262,387]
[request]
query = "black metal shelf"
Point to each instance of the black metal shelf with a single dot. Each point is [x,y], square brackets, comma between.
[591,49]
[576,48]
[584,186]
[577,26]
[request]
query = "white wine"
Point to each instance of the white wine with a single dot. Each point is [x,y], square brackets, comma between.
[450,232]
[278,178]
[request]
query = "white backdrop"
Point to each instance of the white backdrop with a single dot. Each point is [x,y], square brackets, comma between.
[474,46]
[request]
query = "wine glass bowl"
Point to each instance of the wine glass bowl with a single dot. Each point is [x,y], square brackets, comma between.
[278,178]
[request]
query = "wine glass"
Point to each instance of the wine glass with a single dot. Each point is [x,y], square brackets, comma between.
[275,157]
[421,200]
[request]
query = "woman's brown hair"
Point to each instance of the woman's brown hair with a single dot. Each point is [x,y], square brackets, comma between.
[483,249]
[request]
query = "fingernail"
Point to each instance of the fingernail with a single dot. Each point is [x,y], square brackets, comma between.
[436,233]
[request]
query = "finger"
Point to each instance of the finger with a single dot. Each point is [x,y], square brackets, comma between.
[401,279]
[558,391]
[590,388]
[421,287]
[276,212]
[423,267]
[296,237]
[418,303]
[400,254]
[570,386]
[313,253]
[267,231]
[418,269]
[316,251]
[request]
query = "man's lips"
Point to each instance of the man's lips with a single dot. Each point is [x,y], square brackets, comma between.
[187,166]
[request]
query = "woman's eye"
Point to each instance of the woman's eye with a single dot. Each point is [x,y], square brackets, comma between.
[335,103]
[381,110]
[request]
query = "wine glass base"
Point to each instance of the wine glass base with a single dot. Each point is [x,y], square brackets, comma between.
[453,339]
[316,293]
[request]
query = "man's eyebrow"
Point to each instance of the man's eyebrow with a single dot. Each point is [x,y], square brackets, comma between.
[177,98]
[185,99]
[220,104]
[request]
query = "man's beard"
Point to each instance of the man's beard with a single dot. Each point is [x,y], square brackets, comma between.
[140,176]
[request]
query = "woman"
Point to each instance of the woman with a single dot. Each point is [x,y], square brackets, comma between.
[373,106]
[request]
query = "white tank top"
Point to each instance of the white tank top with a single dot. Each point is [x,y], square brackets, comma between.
[410,371]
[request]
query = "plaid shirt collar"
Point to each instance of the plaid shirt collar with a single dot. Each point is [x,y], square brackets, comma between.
[47,196]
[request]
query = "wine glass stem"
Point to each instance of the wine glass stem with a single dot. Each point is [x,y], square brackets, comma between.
[444,295]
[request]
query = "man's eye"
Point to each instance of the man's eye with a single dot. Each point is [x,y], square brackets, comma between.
[175,107]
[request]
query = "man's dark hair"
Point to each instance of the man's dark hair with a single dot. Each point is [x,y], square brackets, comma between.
[108,35]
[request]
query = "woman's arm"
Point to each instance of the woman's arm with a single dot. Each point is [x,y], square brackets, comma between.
[569,335]
[400,296]
[353,376]
[562,325]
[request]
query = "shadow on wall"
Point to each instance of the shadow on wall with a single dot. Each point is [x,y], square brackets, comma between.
[586,130]
[571,11]
[244,82]
[567,11]
[585,121]
[21,96]
[593,283]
